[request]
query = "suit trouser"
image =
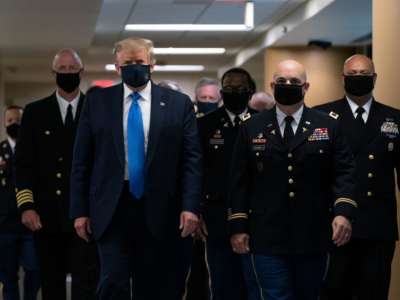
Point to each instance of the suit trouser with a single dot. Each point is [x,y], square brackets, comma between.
[128,250]
[289,277]
[63,253]
[17,249]
[360,269]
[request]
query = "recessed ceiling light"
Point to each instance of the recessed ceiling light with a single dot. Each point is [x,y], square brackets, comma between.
[246,26]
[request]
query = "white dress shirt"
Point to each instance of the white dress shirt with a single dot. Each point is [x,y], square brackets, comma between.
[145,107]
[63,105]
[354,106]
[232,115]
[280,116]
[12,144]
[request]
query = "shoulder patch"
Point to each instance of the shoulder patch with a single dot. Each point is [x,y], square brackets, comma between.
[334,115]
[246,117]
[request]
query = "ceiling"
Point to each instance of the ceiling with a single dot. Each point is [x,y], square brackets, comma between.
[32,31]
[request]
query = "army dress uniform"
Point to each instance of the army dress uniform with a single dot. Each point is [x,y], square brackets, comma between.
[286,195]
[218,131]
[16,242]
[363,267]
[43,166]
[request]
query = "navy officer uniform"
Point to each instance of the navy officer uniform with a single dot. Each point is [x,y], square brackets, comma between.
[284,195]
[16,241]
[43,166]
[363,266]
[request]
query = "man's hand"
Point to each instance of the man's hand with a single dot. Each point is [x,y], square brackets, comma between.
[188,223]
[201,232]
[341,230]
[31,219]
[240,243]
[82,228]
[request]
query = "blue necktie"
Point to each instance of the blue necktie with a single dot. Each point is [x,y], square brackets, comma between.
[136,155]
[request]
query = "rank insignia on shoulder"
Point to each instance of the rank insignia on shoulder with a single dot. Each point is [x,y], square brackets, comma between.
[334,115]
[246,117]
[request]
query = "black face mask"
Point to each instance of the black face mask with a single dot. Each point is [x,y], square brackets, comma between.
[135,75]
[358,85]
[12,130]
[236,102]
[68,82]
[288,94]
[206,107]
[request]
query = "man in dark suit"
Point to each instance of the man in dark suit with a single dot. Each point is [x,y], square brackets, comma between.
[43,166]
[363,267]
[136,179]
[218,131]
[291,173]
[16,241]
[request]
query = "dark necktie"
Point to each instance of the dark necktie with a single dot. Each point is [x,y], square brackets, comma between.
[236,122]
[288,133]
[69,119]
[359,117]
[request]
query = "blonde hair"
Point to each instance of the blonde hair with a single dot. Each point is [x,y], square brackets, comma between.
[135,43]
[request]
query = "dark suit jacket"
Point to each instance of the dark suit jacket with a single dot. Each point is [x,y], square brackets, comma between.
[376,160]
[173,160]
[43,163]
[10,220]
[285,197]
[217,137]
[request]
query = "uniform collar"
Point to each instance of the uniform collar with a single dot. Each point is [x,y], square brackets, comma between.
[354,106]
[280,115]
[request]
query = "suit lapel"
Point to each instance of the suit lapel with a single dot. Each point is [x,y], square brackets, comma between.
[158,106]
[116,117]
[304,130]
[79,108]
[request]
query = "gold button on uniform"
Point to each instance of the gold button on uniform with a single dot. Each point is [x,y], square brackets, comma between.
[59,175]
[58,192]
[291,195]
[257,154]
[291,181]
[60,159]
[290,168]
[371,157]
[369,194]
[216,147]
[290,155]
[370,175]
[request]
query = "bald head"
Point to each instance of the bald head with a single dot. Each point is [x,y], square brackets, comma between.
[67,61]
[358,65]
[262,101]
[290,69]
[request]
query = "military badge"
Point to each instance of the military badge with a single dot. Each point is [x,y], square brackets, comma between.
[319,134]
[246,117]
[217,139]
[259,142]
[390,129]
[390,147]
[334,115]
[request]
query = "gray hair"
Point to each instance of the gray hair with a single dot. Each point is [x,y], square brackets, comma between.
[206,81]
[67,51]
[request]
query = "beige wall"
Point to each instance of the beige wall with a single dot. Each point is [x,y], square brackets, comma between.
[324,69]
[386,45]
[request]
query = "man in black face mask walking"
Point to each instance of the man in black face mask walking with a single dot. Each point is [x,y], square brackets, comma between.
[363,267]
[291,172]
[136,179]
[43,166]
[16,241]
[218,131]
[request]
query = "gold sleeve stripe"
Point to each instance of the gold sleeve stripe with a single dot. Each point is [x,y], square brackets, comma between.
[23,198]
[346,200]
[238,216]
[26,191]
[23,202]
